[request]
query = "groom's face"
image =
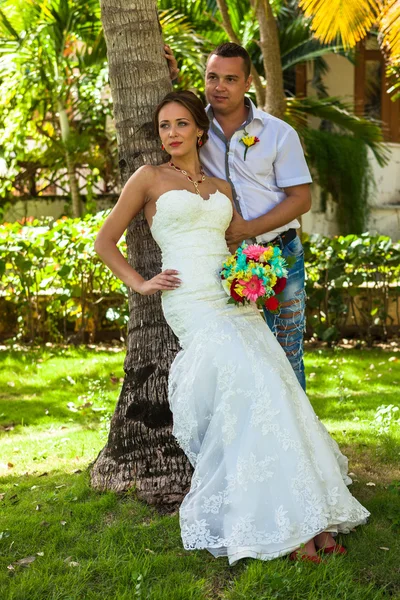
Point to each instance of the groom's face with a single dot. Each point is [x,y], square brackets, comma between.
[226,83]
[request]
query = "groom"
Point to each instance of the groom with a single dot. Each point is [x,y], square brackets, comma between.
[269,179]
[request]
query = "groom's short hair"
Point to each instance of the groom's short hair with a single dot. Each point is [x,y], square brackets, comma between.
[231,50]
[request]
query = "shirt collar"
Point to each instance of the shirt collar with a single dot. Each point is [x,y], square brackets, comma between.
[254,112]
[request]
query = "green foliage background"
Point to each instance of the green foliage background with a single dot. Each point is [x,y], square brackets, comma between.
[52,278]
[53,52]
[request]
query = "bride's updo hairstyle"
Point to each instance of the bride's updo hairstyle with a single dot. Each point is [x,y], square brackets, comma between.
[192,103]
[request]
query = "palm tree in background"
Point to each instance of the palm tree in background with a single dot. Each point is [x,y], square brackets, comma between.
[52,71]
[350,21]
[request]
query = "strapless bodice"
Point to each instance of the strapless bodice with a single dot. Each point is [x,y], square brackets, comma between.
[187,226]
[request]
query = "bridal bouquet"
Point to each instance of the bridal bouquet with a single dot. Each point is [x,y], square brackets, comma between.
[255,274]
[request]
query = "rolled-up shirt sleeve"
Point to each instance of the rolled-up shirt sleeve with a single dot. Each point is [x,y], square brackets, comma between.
[290,164]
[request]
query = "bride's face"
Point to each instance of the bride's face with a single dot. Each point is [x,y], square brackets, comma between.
[177,129]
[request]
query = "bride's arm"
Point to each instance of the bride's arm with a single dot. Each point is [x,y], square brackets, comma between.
[130,203]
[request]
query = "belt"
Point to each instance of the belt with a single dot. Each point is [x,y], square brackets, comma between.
[282,239]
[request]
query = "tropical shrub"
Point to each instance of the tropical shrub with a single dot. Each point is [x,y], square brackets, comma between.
[352,280]
[50,271]
[55,287]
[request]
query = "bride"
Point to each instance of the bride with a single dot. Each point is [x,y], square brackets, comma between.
[268,479]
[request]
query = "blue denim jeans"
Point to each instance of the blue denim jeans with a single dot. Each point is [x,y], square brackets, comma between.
[289,324]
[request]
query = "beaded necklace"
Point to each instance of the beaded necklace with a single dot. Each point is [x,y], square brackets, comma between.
[185,173]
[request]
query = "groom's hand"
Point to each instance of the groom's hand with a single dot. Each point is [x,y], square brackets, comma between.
[172,64]
[237,231]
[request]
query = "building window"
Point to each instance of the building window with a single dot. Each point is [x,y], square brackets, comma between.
[370,89]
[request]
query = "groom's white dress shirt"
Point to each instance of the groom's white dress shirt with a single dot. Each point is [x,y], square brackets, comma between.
[275,162]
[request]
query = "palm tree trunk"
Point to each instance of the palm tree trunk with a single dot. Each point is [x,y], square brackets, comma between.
[140,451]
[275,101]
[72,180]
[227,24]
[73,186]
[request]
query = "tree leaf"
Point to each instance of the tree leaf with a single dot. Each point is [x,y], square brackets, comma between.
[25,562]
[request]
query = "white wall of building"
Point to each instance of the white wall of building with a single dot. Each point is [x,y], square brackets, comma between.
[384,200]
[45,208]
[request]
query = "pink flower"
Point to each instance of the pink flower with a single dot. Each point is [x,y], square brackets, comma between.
[253,289]
[254,251]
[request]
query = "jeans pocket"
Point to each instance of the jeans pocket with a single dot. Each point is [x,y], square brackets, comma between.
[294,248]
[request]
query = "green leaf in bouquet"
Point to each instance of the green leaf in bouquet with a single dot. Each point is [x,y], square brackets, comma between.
[231,301]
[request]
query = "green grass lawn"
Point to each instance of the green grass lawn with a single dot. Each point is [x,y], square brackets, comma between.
[83,545]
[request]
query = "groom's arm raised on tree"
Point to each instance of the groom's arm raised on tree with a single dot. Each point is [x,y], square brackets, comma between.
[134,197]
[296,203]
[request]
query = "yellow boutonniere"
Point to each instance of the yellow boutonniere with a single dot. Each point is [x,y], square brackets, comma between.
[248,141]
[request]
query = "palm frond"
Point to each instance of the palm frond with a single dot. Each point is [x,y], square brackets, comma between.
[340,114]
[93,54]
[307,51]
[393,72]
[317,82]
[180,35]
[6,27]
[346,20]
[389,26]
[329,155]
[201,14]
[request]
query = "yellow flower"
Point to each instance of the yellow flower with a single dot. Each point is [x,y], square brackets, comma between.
[248,140]
[252,265]
[266,255]
[239,289]
[241,275]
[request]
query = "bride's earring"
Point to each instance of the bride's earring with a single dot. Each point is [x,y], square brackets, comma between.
[199,141]
[162,147]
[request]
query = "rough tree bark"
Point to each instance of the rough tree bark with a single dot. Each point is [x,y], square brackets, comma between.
[227,24]
[275,101]
[140,451]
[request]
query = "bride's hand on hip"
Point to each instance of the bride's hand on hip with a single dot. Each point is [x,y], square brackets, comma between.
[166,280]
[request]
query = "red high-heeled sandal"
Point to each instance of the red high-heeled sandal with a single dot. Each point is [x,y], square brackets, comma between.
[300,556]
[336,549]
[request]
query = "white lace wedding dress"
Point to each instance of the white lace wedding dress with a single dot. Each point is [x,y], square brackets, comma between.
[267,475]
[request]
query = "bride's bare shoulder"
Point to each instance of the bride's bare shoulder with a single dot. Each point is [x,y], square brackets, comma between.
[146,172]
[145,177]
